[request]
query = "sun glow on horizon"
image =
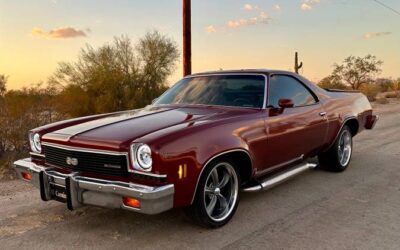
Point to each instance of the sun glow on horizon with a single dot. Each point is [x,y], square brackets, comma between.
[243,34]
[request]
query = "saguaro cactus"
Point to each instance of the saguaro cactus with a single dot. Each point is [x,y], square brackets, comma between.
[297,66]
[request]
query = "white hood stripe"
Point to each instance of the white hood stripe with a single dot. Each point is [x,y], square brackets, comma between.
[87,126]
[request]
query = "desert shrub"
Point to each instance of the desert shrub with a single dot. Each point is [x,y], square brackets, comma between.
[4,167]
[382,100]
[385,84]
[393,94]
[396,85]
[113,77]
[22,110]
[331,82]
[327,85]
[6,161]
[371,91]
[118,76]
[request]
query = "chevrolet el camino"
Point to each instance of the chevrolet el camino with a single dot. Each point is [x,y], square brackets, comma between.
[198,145]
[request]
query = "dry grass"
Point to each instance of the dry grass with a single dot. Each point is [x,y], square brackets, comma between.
[382,100]
[6,170]
[393,94]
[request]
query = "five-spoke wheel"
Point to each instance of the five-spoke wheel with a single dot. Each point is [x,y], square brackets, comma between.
[344,148]
[221,191]
[338,157]
[217,195]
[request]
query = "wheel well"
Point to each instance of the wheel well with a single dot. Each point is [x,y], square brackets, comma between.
[353,126]
[242,161]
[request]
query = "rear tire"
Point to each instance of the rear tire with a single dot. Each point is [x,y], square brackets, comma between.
[217,195]
[338,157]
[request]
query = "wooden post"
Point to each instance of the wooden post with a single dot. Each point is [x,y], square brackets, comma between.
[187,38]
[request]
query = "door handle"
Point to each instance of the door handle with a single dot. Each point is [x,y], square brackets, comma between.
[322,113]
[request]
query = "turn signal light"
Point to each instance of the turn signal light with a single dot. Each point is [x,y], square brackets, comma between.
[26,176]
[131,202]
[182,172]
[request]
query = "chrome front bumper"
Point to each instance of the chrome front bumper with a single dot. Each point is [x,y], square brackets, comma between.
[80,190]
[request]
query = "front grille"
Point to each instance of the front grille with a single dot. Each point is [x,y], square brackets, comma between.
[100,163]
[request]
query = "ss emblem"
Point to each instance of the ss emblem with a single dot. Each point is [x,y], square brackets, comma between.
[71,161]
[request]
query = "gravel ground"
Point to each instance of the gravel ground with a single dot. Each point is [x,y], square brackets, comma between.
[357,209]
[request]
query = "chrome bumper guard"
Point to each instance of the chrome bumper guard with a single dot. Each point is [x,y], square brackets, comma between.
[78,190]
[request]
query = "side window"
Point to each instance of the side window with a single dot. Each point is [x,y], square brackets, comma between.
[286,87]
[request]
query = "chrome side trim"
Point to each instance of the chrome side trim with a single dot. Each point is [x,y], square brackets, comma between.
[148,174]
[212,158]
[271,182]
[85,150]
[301,157]
[37,154]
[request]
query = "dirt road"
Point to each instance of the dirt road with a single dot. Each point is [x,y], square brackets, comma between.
[357,209]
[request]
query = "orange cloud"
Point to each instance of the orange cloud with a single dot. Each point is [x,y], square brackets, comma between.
[250,7]
[211,29]
[64,32]
[263,18]
[371,35]
[309,4]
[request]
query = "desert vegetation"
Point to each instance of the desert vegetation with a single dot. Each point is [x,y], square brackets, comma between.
[117,76]
[361,73]
[126,75]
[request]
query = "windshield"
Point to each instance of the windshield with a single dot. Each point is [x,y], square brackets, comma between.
[222,90]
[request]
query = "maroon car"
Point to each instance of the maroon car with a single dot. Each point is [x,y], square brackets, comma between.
[207,138]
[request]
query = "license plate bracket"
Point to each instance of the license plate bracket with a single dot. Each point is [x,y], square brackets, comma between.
[58,192]
[50,190]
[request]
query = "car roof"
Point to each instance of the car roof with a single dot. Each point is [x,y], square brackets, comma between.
[245,71]
[267,72]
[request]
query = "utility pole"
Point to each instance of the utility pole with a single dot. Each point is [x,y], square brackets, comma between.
[187,38]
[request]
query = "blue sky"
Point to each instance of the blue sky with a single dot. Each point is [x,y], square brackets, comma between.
[227,34]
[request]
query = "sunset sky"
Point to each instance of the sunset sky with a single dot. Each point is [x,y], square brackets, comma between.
[228,34]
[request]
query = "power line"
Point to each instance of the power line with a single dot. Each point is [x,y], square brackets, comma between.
[387,7]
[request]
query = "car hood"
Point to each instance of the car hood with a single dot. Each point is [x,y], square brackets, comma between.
[120,129]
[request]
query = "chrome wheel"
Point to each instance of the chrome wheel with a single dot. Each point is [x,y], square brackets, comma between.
[221,191]
[344,148]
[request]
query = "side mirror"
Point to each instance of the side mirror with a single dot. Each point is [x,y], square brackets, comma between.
[286,103]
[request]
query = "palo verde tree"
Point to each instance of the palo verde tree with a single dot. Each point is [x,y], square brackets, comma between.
[116,76]
[357,71]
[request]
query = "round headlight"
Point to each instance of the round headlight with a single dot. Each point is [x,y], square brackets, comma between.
[36,145]
[143,157]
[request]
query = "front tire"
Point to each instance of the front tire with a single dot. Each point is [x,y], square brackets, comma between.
[338,157]
[217,195]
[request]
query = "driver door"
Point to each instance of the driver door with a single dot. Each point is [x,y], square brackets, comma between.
[292,133]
